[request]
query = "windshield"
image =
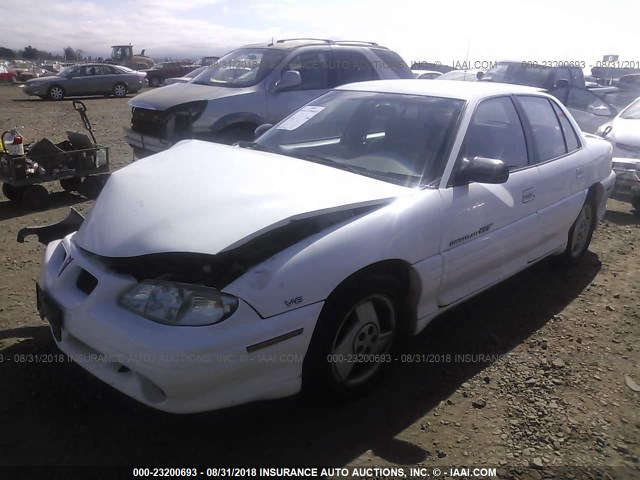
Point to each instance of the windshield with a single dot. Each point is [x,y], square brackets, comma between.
[632,112]
[402,139]
[241,68]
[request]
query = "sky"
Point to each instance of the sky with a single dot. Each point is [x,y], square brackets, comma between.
[444,31]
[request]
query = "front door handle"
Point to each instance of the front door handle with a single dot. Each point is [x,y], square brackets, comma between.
[528,195]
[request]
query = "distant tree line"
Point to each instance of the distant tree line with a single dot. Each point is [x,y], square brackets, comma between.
[68,54]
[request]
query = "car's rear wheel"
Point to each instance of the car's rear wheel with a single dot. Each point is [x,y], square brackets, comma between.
[55,92]
[350,346]
[580,233]
[12,193]
[71,184]
[36,197]
[120,90]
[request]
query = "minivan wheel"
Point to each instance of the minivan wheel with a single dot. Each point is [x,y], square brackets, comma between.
[353,338]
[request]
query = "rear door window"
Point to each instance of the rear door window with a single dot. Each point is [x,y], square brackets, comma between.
[570,136]
[547,133]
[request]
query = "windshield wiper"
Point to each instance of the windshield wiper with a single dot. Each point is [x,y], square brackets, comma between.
[331,163]
[253,146]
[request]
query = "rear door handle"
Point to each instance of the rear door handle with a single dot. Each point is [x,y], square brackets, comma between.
[528,195]
[579,172]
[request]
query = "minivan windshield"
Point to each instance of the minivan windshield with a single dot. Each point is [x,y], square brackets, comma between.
[397,138]
[241,68]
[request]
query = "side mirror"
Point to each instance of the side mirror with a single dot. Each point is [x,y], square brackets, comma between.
[481,170]
[262,129]
[290,79]
[562,83]
[479,75]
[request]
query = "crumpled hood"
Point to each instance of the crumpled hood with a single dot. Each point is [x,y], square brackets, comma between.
[179,93]
[626,131]
[202,197]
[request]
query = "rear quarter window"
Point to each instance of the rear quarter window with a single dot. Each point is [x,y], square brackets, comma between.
[394,62]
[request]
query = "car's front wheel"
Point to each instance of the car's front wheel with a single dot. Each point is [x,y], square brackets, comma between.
[354,335]
[120,90]
[154,82]
[56,93]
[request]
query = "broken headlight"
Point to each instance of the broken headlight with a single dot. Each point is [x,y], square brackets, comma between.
[179,303]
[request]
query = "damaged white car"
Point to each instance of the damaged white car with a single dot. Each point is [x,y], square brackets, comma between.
[207,275]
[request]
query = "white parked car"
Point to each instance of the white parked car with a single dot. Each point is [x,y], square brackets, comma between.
[624,134]
[425,74]
[298,261]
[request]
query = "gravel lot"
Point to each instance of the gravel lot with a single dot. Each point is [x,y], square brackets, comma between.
[538,372]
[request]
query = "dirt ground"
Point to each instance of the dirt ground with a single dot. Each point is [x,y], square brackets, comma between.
[529,374]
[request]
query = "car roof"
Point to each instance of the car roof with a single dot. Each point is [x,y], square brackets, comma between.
[293,43]
[441,88]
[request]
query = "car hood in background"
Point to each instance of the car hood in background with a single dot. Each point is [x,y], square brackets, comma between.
[626,131]
[201,197]
[179,93]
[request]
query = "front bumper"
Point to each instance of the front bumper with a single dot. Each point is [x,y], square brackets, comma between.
[147,143]
[30,90]
[627,179]
[175,369]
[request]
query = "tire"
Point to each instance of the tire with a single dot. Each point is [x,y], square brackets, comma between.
[36,197]
[362,317]
[12,193]
[154,82]
[71,184]
[580,233]
[231,135]
[120,90]
[55,92]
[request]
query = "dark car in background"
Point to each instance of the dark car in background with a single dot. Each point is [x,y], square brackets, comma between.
[566,83]
[187,77]
[89,79]
[161,71]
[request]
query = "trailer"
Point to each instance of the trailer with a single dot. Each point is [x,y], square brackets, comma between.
[79,164]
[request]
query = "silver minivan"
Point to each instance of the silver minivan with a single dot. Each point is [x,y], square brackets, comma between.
[251,86]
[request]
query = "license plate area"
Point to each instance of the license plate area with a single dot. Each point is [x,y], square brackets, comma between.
[48,310]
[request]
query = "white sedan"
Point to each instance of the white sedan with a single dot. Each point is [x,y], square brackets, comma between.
[207,275]
[624,134]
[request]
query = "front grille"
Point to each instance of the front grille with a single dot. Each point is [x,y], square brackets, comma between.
[149,122]
[86,282]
